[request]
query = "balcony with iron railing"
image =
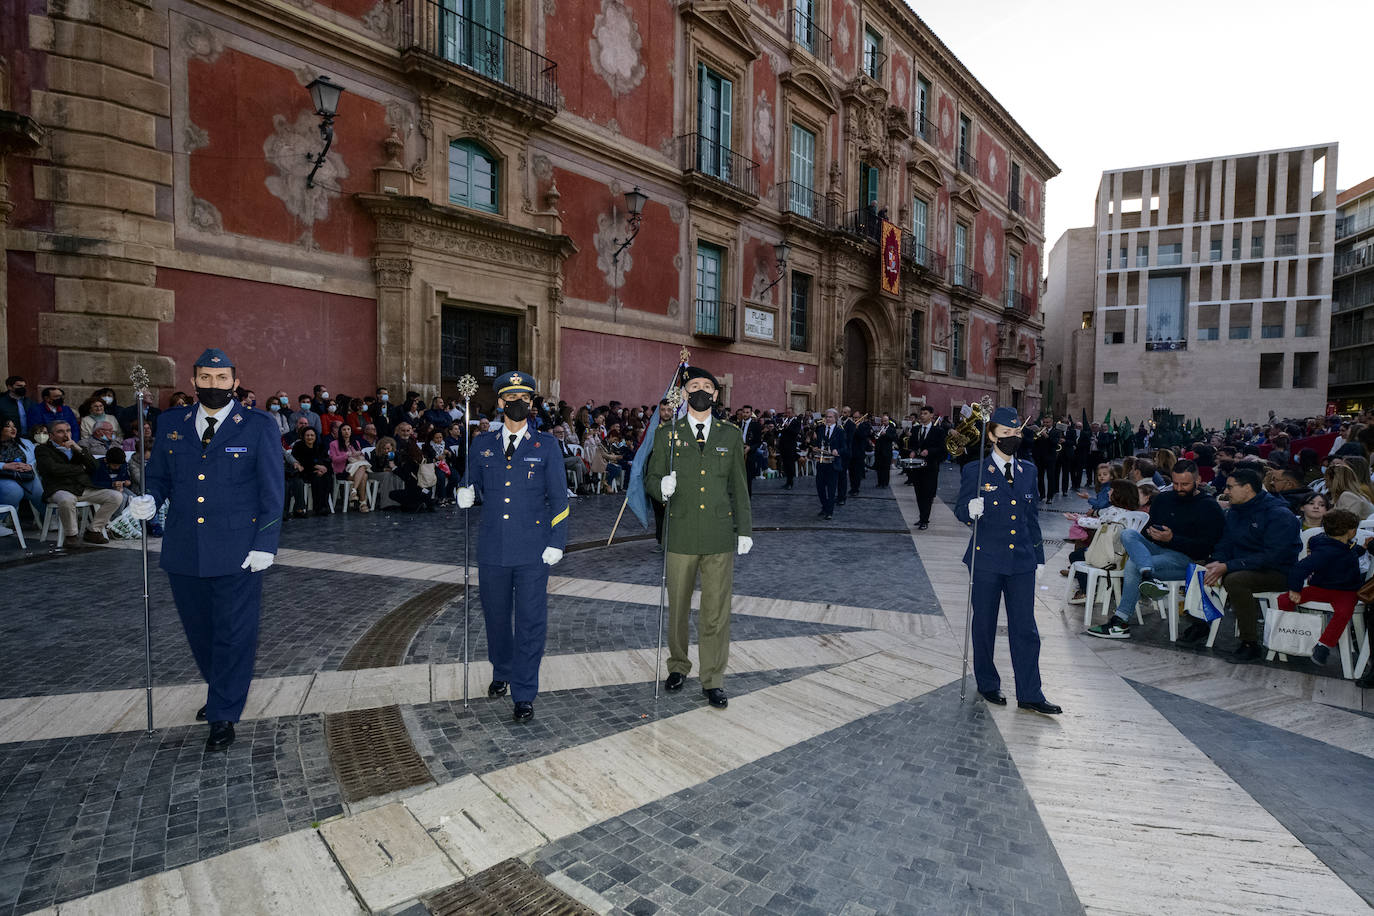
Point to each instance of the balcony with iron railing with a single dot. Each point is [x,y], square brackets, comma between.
[807,34]
[1018,304]
[966,280]
[1352,225]
[1349,262]
[1014,202]
[447,46]
[960,368]
[803,207]
[925,129]
[715,167]
[1161,344]
[864,223]
[715,319]
[873,63]
[966,161]
[917,256]
[1285,246]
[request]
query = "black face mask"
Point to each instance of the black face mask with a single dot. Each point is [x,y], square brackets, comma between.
[21,390]
[1009,445]
[57,402]
[700,400]
[213,398]
[517,410]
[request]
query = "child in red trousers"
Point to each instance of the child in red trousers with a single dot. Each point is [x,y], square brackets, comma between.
[1330,573]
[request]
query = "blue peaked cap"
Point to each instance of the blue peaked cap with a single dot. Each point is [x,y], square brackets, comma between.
[1005,416]
[214,358]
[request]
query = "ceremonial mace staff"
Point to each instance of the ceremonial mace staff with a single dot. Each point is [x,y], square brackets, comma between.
[674,401]
[467,387]
[986,404]
[139,377]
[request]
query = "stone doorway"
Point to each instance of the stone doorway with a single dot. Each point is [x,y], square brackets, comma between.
[480,344]
[855,386]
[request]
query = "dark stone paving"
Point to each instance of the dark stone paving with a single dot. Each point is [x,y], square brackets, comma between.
[581,625]
[1323,794]
[456,741]
[89,634]
[83,814]
[860,820]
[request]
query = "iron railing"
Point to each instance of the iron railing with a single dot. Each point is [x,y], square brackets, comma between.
[1014,201]
[960,368]
[1285,246]
[864,223]
[926,129]
[438,29]
[1353,224]
[716,160]
[1356,259]
[1019,302]
[714,318]
[916,255]
[965,277]
[806,33]
[1165,343]
[966,161]
[874,61]
[796,198]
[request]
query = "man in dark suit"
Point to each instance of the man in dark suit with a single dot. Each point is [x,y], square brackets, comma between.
[884,440]
[1067,458]
[927,442]
[848,426]
[859,444]
[1045,454]
[832,441]
[751,428]
[789,437]
[219,465]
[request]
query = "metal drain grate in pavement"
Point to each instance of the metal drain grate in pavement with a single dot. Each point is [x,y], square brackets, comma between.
[509,888]
[386,642]
[372,753]
[1052,545]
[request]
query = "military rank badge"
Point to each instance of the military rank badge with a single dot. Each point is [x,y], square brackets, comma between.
[988,488]
[487,453]
[174,435]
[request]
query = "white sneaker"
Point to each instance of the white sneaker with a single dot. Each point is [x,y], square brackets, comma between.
[571,494]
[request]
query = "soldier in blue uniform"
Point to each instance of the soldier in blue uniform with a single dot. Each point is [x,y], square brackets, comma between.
[1010,551]
[520,476]
[219,464]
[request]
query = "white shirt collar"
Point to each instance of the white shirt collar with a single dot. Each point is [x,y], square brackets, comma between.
[706,428]
[221,415]
[507,436]
[1002,463]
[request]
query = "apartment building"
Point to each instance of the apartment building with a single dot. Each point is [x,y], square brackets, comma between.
[1351,384]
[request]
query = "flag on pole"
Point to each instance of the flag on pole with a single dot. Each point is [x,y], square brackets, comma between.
[634,492]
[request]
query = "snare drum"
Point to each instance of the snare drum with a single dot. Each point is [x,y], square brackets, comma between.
[824,458]
[912,464]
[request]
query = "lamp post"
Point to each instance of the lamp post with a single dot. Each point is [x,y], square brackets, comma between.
[781,251]
[634,203]
[324,93]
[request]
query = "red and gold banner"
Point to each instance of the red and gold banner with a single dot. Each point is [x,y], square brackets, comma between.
[890,265]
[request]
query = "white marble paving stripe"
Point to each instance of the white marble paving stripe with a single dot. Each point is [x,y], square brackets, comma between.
[1123,792]
[70,715]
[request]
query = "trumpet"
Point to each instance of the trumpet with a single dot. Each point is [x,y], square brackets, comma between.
[970,428]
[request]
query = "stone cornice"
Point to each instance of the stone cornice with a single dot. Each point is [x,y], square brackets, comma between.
[19,132]
[416,222]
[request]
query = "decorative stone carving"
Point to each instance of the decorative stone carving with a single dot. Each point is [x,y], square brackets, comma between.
[392,272]
[604,240]
[200,41]
[674,307]
[391,229]
[286,150]
[479,249]
[474,126]
[550,8]
[678,262]
[763,127]
[382,20]
[543,167]
[676,212]
[420,170]
[194,138]
[205,216]
[837,352]
[615,48]
[552,198]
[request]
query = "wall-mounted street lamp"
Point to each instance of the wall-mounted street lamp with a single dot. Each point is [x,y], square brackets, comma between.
[634,203]
[781,250]
[324,93]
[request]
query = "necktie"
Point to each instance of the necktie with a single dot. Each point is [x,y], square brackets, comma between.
[1007,470]
[209,432]
[701,436]
[510,448]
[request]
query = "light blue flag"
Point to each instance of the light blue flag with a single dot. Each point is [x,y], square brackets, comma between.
[634,493]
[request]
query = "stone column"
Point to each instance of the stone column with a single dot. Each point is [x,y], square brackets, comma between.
[393,322]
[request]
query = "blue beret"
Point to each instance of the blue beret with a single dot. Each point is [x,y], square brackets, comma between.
[1005,416]
[513,383]
[213,358]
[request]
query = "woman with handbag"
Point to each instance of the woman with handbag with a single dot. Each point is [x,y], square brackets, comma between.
[348,462]
[18,477]
[1124,498]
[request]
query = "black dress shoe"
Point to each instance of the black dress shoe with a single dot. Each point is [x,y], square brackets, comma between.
[922,526]
[1197,631]
[497,689]
[200,714]
[716,697]
[674,682]
[1040,706]
[523,711]
[821,514]
[994,697]
[828,517]
[221,736]
[1246,652]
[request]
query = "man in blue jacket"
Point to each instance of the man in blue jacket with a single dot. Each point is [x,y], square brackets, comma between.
[1258,548]
[219,466]
[1000,493]
[519,474]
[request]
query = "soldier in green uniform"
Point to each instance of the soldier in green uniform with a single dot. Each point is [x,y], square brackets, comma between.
[698,470]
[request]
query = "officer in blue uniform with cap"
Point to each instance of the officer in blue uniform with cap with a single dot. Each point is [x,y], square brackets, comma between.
[219,464]
[519,473]
[1000,492]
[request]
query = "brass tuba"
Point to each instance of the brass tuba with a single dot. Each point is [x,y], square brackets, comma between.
[970,428]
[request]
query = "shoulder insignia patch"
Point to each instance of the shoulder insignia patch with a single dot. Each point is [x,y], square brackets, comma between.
[238,418]
[174,435]
[487,453]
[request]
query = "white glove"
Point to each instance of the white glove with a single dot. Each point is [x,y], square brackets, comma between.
[552,555]
[465,496]
[668,486]
[143,507]
[1039,568]
[258,560]
[975,507]
[746,544]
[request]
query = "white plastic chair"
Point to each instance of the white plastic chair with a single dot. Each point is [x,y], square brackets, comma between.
[1096,578]
[13,514]
[84,514]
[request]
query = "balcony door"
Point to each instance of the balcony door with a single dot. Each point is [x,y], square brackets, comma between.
[474,35]
[714,104]
[803,196]
[856,366]
[709,311]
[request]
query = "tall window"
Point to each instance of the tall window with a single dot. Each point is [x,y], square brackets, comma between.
[803,23]
[1014,198]
[472,177]
[715,99]
[960,251]
[915,344]
[709,310]
[956,347]
[472,32]
[1164,320]
[920,216]
[801,305]
[965,138]
[873,54]
[868,184]
[1013,271]
[923,125]
[802,198]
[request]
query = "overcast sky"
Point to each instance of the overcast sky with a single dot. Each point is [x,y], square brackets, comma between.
[1102,85]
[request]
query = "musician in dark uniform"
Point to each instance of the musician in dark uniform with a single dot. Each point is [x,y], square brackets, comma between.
[1009,552]
[789,438]
[1068,448]
[751,428]
[927,442]
[519,474]
[829,439]
[219,464]
[860,441]
[884,441]
[1045,454]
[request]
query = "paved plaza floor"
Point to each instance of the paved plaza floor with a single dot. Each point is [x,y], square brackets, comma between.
[846,777]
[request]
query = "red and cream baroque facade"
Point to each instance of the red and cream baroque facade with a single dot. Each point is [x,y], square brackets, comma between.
[155,155]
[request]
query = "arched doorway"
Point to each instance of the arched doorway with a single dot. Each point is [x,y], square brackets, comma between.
[855,385]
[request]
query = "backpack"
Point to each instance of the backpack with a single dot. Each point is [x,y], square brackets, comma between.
[1105,550]
[425,477]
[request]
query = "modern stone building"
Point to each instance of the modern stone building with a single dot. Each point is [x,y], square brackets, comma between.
[1070,347]
[163,192]
[1212,287]
[1351,386]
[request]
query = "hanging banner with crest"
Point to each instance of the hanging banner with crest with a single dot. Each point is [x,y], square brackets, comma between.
[890,266]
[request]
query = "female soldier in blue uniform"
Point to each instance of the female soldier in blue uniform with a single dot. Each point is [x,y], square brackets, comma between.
[1010,551]
[522,532]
